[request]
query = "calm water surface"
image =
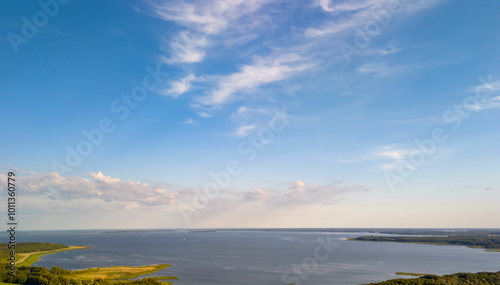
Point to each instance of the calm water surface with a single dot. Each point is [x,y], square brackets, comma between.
[260,257]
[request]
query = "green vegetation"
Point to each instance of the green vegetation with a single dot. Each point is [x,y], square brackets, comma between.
[31,259]
[92,276]
[28,247]
[27,259]
[28,253]
[481,278]
[478,240]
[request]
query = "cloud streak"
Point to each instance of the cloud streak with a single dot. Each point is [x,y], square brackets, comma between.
[249,77]
[394,154]
[355,15]
[185,48]
[180,87]
[487,95]
[203,20]
[300,193]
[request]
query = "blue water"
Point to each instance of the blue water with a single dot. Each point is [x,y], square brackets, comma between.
[261,257]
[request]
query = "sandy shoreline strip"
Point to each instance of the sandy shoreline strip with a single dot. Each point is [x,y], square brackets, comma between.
[21,257]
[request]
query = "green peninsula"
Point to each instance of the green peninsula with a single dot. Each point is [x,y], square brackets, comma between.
[28,253]
[489,240]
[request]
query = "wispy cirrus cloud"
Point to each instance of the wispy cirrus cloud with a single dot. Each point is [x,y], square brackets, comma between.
[394,155]
[237,27]
[179,87]
[203,21]
[208,17]
[359,13]
[487,95]
[243,131]
[414,121]
[189,121]
[263,70]
[337,7]
[185,47]
[391,48]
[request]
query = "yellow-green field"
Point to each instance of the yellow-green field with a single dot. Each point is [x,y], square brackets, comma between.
[409,274]
[118,272]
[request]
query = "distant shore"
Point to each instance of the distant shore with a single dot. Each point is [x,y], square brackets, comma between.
[453,241]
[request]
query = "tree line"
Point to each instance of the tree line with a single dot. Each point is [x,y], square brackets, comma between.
[27,247]
[481,278]
[486,241]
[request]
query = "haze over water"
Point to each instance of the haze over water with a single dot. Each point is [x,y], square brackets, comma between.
[259,257]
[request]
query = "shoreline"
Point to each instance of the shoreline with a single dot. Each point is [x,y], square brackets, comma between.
[27,259]
[111,273]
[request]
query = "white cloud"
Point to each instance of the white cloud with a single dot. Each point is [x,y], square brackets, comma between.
[245,112]
[359,13]
[491,102]
[395,155]
[329,6]
[208,17]
[203,19]
[185,48]
[383,51]
[49,194]
[300,193]
[362,13]
[99,177]
[244,130]
[262,71]
[486,95]
[256,194]
[189,121]
[222,24]
[204,114]
[111,190]
[179,87]
[487,87]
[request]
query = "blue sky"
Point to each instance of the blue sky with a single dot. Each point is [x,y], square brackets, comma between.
[319,113]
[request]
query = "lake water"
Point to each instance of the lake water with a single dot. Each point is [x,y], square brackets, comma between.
[261,257]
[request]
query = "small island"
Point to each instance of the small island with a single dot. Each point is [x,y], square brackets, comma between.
[28,253]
